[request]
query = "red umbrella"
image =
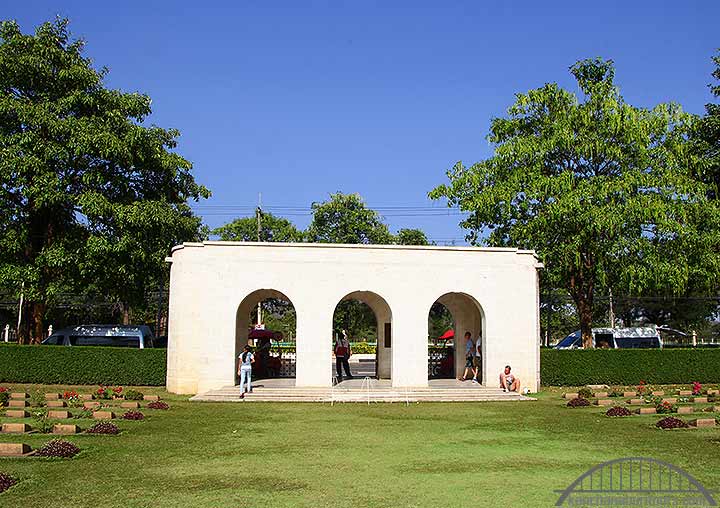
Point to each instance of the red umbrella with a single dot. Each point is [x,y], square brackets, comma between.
[264,334]
[450,334]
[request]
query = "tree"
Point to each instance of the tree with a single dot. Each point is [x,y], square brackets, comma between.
[346,219]
[411,237]
[90,198]
[272,229]
[706,137]
[602,190]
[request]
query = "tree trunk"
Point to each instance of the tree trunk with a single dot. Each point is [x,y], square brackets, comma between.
[581,288]
[37,315]
[585,309]
[125,314]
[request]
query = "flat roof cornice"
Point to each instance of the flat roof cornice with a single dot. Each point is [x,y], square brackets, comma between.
[281,245]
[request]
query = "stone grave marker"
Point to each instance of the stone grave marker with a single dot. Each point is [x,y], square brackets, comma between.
[15,427]
[65,429]
[60,415]
[14,449]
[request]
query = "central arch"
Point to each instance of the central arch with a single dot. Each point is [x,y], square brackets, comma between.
[381,333]
[467,316]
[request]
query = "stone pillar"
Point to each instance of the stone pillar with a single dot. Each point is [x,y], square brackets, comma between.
[313,365]
[410,348]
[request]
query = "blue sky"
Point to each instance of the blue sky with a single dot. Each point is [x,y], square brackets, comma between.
[296,100]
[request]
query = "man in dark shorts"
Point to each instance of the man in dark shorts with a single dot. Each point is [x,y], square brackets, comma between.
[469,356]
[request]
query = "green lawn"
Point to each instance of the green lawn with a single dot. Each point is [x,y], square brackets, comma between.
[382,455]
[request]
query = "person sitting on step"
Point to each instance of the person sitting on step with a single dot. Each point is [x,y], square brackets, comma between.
[508,381]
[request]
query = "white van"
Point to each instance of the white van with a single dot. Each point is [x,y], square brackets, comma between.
[616,338]
[135,336]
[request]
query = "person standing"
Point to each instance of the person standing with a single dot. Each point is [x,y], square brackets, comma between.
[342,356]
[477,361]
[469,355]
[245,361]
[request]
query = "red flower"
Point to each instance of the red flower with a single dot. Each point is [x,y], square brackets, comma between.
[117,390]
[3,389]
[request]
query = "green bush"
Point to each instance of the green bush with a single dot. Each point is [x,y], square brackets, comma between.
[133,395]
[363,348]
[585,393]
[628,367]
[4,398]
[82,365]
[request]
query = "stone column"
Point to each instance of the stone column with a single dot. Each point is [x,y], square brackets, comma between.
[314,342]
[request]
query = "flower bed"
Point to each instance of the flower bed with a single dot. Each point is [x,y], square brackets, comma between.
[6,481]
[158,404]
[133,415]
[579,402]
[618,411]
[58,448]
[104,428]
[671,422]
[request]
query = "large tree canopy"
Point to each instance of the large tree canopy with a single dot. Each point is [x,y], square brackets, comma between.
[707,139]
[272,229]
[602,190]
[346,219]
[90,198]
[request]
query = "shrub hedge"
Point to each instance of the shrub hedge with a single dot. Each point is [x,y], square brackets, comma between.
[82,365]
[579,367]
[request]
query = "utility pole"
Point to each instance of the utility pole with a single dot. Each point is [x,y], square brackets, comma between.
[258,213]
[612,312]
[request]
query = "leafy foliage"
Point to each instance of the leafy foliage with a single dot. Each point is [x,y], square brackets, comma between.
[82,365]
[133,415]
[602,190]
[579,402]
[104,428]
[6,481]
[618,411]
[585,393]
[37,398]
[626,366]
[346,219]
[671,422]
[58,448]
[133,395]
[411,237]
[273,229]
[158,404]
[90,198]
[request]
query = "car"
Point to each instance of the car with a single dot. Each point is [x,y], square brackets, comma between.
[646,337]
[135,336]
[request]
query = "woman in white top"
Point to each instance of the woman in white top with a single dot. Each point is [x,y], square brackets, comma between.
[246,359]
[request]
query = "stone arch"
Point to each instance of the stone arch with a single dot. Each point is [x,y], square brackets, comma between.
[244,309]
[468,316]
[383,318]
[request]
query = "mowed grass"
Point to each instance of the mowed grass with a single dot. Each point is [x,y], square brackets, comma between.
[349,455]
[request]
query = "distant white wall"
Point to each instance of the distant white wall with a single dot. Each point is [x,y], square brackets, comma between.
[493,290]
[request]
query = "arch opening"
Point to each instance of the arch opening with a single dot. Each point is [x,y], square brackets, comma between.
[366,320]
[266,321]
[449,356]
